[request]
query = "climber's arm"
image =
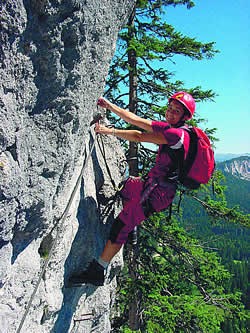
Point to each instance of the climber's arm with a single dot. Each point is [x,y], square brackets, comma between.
[132,135]
[126,115]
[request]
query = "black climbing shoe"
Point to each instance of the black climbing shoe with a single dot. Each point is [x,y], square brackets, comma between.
[94,274]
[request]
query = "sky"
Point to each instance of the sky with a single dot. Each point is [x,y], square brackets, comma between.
[226,22]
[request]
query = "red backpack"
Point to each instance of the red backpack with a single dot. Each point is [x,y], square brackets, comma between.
[199,164]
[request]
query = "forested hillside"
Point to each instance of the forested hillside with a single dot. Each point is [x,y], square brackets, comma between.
[237,189]
[238,192]
[231,242]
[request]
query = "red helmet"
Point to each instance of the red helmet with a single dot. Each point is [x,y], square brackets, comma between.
[186,100]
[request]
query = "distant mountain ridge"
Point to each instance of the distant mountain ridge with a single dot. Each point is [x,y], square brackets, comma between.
[238,167]
[220,157]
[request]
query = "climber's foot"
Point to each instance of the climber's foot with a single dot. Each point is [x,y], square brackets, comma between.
[94,274]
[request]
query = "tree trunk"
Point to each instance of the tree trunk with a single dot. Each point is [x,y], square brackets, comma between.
[135,319]
[133,253]
[133,147]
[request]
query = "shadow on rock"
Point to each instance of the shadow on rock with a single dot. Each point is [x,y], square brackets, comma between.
[88,244]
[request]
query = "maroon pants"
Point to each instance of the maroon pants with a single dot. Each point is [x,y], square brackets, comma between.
[137,195]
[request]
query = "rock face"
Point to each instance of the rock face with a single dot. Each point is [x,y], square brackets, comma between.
[54,60]
[238,167]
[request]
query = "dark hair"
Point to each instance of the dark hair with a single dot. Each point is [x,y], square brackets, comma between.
[186,112]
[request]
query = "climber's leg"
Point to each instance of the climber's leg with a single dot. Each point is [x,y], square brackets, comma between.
[131,216]
[95,272]
[110,250]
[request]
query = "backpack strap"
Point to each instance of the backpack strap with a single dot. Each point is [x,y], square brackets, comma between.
[182,165]
[192,151]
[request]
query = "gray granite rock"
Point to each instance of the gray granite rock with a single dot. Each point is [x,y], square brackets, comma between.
[54,58]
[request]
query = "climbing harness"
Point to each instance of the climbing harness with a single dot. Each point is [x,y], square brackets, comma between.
[60,222]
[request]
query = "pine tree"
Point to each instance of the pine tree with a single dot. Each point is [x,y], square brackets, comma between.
[139,77]
[178,296]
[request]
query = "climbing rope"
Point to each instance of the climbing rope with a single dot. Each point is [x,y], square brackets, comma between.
[58,224]
[109,206]
[102,150]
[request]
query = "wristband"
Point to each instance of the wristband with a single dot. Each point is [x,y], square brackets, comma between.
[113,131]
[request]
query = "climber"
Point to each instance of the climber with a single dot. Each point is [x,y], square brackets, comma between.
[142,197]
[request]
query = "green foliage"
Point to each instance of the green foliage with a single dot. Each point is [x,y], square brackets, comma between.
[182,287]
[230,240]
[220,209]
[217,206]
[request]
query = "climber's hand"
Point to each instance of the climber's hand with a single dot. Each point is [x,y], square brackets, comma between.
[103,103]
[102,129]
